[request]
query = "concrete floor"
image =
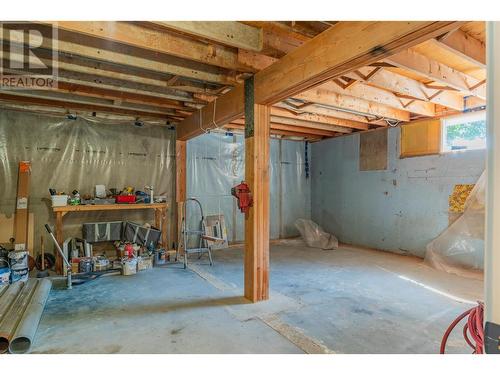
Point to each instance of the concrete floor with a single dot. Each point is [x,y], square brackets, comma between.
[343,301]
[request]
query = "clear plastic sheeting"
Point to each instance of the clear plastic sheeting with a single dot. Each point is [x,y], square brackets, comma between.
[314,236]
[216,163]
[79,154]
[460,248]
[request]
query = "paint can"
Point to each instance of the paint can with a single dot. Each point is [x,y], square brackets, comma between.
[160,257]
[129,266]
[85,265]
[4,275]
[144,263]
[20,274]
[101,263]
[18,262]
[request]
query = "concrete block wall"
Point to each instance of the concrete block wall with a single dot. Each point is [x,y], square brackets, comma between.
[399,209]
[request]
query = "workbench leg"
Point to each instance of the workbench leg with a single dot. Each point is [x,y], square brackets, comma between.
[164,225]
[60,240]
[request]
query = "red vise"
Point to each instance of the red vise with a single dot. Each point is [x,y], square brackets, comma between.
[242,193]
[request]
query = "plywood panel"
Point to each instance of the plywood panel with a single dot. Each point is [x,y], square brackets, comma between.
[373,150]
[421,138]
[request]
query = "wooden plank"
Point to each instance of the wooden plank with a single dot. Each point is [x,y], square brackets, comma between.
[110,207]
[257,219]
[436,71]
[342,48]
[22,207]
[466,46]
[163,42]
[229,33]
[180,185]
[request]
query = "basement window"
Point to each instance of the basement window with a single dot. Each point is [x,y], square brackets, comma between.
[464,132]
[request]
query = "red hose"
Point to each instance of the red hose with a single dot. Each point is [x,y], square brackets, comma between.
[473,330]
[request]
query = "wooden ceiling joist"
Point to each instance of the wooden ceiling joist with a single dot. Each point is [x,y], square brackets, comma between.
[110,53]
[337,51]
[466,46]
[377,95]
[318,118]
[66,104]
[438,72]
[400,84]
[158,41]
[353,104]
[229,33]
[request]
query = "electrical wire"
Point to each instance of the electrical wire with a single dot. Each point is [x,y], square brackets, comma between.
[472,331]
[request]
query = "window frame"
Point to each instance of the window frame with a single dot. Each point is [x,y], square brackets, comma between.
[458,119]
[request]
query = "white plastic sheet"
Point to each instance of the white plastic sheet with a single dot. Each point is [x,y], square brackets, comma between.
[460,248]
[216,162]
[79,154]
[315,236]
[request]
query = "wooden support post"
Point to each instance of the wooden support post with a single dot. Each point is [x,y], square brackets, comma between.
[257,129]
[180,186]
[492,245]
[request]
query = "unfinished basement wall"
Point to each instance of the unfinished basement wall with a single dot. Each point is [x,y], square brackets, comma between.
[216,162]
[79,154]
[399,209]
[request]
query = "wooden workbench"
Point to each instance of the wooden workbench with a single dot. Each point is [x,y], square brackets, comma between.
[160,210]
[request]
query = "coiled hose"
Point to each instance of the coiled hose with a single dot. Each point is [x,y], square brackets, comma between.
[473,330]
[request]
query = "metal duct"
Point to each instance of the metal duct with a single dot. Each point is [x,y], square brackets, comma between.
[8,297]
[26,329]
[14,313]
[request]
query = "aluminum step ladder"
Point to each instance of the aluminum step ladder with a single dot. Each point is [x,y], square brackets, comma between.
[203,240]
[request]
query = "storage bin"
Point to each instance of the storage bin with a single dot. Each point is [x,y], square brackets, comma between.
[100,232]
[144,263]
[129,266]
[59,200]
[144,236]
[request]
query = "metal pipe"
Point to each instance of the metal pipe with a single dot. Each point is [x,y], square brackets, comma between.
[27,327]
[8,298]
[13,316]
[58,247]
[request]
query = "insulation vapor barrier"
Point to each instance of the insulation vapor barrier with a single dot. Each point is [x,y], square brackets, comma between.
[460,248]
[79,154]
[216,162]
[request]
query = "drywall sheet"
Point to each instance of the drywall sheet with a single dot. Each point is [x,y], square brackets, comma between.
[79,154]
[373,150]
[400,209]
[215,163]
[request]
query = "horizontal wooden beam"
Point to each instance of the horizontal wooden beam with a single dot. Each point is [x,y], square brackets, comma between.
[110,53]
[340,49]
[466,46]
[229,33]
[438,72]
[318,118]
[158,41]
[67,104]
[277,128]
